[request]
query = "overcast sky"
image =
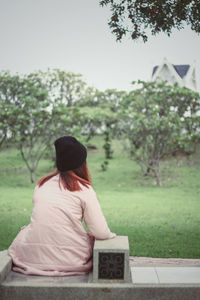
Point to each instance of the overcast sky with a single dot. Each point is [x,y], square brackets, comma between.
[73,35]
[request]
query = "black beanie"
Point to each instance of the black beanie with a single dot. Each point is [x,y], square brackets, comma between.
[70,153]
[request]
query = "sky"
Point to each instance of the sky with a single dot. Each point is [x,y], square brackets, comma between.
[74,36]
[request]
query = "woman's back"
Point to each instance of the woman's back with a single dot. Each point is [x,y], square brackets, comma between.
[55,242]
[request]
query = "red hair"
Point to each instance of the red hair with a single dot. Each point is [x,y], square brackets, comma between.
[70,179]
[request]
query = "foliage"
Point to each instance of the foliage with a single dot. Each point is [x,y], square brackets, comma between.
[136,17]
[64,87]
[92,106]
[108,103]
[99,110]
[27,117]
[51,104]
[154,119]
[108,99]
[99,115]
[30,117]
[9,87]
[37,108]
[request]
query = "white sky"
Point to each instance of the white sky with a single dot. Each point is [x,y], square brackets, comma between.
[73,35]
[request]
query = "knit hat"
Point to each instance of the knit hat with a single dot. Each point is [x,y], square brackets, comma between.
[70,153]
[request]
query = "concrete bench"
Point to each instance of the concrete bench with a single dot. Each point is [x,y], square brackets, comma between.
[110,280]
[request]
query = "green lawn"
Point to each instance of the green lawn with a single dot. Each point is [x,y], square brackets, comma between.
[160,222]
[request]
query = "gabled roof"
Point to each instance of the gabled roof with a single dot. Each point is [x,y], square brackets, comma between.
[180,69]
[154,70]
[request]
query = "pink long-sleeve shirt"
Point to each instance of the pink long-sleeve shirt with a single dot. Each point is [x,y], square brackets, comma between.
[55,242]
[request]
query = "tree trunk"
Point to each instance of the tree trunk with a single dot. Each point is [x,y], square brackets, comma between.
[143,169]
[32,176]
[2,140]
[158,179]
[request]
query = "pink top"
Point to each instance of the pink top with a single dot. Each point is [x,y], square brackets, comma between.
[55,242]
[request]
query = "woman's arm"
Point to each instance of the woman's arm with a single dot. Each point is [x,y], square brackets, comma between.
[94,218]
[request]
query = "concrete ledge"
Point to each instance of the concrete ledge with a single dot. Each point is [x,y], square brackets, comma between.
[100,292]
[145,285]
[5,265]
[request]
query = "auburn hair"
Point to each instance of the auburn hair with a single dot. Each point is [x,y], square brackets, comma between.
[70,179]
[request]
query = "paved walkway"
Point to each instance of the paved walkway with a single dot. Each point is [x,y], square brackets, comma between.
[165,275]
[149,270]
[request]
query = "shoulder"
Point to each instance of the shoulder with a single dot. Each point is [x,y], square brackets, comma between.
[87,190]
[87,194]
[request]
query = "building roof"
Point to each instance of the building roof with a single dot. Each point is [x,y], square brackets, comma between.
[180,69]
[154,70]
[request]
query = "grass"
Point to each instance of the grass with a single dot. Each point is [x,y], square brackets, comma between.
[160,222]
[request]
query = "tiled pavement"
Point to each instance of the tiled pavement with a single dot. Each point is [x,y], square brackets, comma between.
[148,270]
[165,275]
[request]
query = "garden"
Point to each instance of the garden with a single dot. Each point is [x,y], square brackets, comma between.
[143,155]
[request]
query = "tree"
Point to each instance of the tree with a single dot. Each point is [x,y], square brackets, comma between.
[99,111]
[30,118]
[98,120]
[99,108]
[153,119]
[67,92]
[135,17]
[64,87]
[9,87]
[64,90]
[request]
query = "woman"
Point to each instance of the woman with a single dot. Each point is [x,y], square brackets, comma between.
[55,242]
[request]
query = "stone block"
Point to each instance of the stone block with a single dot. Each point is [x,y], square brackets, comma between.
[111,261]
[5,265]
